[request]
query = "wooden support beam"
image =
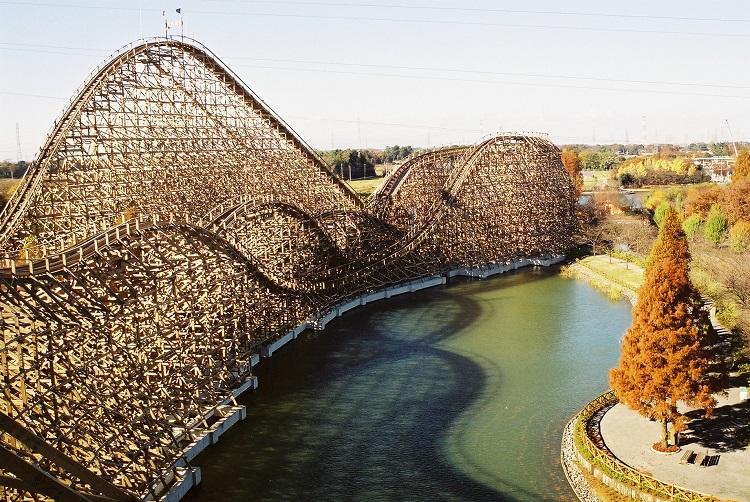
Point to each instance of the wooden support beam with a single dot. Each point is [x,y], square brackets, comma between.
[37,444]
[172,225]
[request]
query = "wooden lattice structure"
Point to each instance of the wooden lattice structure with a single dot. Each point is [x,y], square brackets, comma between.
[172,224]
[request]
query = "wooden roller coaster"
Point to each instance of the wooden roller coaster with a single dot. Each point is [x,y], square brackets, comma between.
[172,224]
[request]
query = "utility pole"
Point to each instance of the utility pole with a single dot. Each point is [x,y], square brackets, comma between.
[359,132]
[19,153]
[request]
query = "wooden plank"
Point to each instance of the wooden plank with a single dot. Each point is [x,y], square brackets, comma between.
[37,444]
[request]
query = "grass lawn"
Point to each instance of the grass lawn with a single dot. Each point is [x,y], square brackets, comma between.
[594,179]
[7,187]
[630,277]
[366,186]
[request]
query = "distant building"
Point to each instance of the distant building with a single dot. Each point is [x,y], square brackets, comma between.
[719,168]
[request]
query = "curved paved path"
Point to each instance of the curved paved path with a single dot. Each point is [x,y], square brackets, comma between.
[629,436]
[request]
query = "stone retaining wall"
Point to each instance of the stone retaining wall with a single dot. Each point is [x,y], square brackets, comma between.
[600,462]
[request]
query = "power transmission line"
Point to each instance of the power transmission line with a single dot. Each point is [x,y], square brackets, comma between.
[437,8]
[44,46]
[9,93]
[31,48]
[498,82]
[45,51]
[400,20]
[491,9]
[488,72]
[670,92]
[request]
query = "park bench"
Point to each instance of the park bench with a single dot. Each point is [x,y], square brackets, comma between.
[685,459]
[699,459]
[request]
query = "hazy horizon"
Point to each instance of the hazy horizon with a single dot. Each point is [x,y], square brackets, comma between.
[371,74]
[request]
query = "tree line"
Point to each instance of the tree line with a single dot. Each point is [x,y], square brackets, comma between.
[668,166]
[10,169]
[360,163]
[606,157]
[671,353]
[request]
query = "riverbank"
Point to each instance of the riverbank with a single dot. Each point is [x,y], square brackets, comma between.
[620,467]
[569,461]
[724,474]
[318,323]
[457,392]
[615,277]
[615,476]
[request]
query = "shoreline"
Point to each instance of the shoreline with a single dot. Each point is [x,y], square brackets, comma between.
[569,462]
[232,413]
[601,282]
[568,453]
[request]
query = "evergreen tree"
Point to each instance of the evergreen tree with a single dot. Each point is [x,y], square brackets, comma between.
[739,237]
[661,213]
[691,225]
[716,225]
[667,354]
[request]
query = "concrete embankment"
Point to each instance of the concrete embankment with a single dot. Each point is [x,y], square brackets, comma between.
[229,412]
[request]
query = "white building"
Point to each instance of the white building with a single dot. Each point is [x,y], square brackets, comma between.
[719,167]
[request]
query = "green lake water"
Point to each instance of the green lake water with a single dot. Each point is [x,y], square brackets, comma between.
[454,393]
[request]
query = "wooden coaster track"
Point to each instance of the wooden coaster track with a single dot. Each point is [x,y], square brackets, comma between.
[172,225]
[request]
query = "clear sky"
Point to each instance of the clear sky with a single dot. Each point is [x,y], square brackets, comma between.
[371,73]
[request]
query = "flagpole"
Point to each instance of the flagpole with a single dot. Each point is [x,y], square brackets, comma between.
[182,24]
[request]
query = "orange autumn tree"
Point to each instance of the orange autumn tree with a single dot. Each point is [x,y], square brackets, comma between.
[666,356]
[741,169]
[572,162]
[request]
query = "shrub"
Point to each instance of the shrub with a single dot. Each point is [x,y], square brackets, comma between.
[627,179]
[735,201]
[691,225]
[661,212]
[739,237]
[700,199]
[706,283]
[716,225]
[655,199]
[727,313]
[676,196]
